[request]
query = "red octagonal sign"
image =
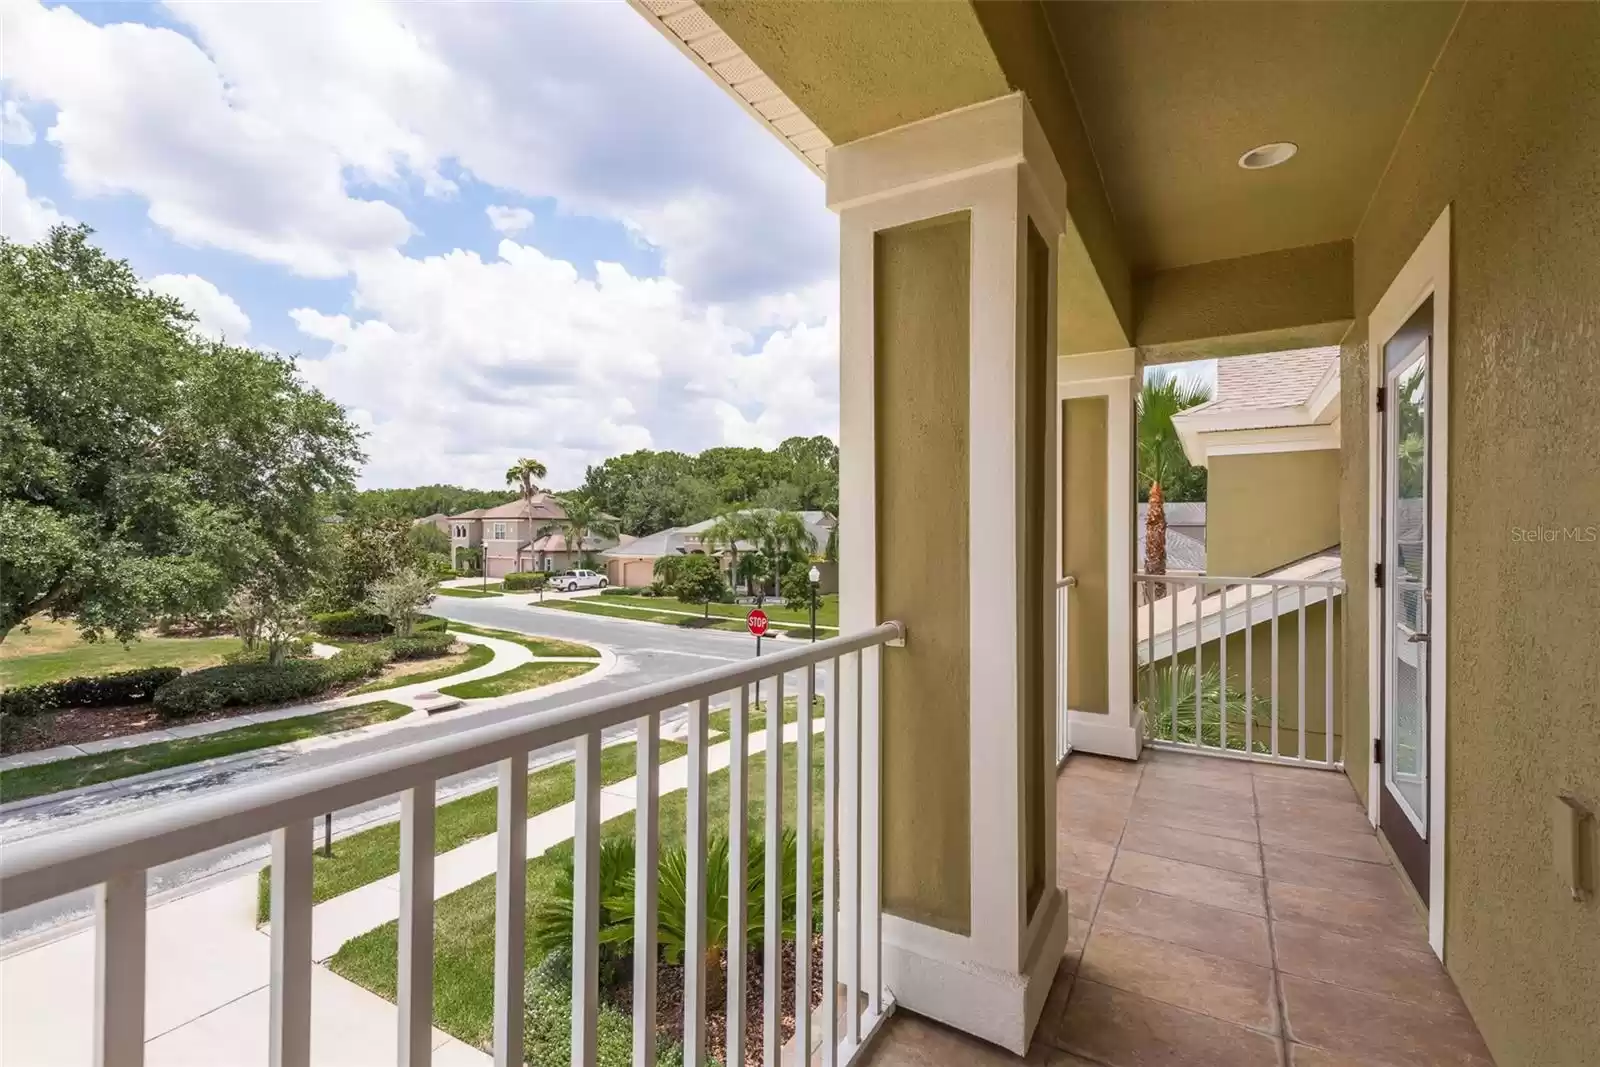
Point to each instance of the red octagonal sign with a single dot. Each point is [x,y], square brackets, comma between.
[756,621]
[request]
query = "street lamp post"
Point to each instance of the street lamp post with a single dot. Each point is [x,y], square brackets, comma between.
[815,576]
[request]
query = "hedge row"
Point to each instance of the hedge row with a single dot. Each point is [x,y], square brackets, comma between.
[99,691]
[524,580]
[352,623]
[249,684]
[425,645]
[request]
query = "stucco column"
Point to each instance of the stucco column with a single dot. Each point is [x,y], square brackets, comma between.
[949,235]
[1097,539]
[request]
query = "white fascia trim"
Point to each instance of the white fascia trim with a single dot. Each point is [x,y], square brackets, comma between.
[1259,442]
[1425,274]
[1325,395]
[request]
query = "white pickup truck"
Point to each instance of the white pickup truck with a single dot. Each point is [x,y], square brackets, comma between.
[568,581]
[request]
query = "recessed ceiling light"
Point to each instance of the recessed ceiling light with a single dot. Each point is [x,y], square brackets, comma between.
[1268,155]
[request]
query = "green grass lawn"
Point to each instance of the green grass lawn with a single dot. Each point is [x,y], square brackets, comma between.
[603,606]
[470,592]
[539,646]
[827,609]
[527,676]
[50,651]
[365,857]
[108,766]
[476,656]
[463,982]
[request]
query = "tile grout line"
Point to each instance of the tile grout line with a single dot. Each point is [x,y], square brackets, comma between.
[1279,996]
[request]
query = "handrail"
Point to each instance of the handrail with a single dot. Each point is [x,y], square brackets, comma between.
[43,867]
[1222,579]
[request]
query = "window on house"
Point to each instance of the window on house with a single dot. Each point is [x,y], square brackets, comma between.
[461,530]
[499,531]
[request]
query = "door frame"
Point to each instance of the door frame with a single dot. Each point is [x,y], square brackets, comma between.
[1426,273]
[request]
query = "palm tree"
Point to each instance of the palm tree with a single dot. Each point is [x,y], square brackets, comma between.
[782,535]
[1161,457]
[526,474]
[584,517]
[729,529]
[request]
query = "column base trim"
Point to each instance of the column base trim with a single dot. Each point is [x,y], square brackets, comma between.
[1102,735]
[998,1006]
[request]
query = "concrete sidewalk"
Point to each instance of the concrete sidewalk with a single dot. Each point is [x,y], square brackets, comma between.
[507,655]
[207,997]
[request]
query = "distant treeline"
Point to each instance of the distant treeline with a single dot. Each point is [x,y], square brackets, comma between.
[417,502]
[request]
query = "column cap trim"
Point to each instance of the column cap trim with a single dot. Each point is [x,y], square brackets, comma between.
[998,133]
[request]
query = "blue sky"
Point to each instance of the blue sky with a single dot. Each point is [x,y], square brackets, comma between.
[489,230]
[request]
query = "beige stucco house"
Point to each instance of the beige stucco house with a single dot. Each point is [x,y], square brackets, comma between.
[518,536]
[1036,201]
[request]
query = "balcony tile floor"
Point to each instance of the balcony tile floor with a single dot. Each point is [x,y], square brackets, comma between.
[1224,914]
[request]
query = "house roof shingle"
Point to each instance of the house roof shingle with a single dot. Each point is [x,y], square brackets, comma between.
[1266,382]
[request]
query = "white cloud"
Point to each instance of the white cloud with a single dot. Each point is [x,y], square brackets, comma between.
[252,134]
[459,364]
[219,315]
[508,219]
[14,125]
[22,217]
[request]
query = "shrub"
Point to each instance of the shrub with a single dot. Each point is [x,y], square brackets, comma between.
[248,684]
[95,691]
[547,1018]
[427,624]
[524,581]
[295,648]
[419,646]
[353,623]
[625,590]
[400,596]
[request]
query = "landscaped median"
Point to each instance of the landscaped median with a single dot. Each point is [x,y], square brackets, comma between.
[42,778]
[470,592]
[669,611]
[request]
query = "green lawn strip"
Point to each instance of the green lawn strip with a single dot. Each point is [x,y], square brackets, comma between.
[827,609]
[463,973]
[464,591]
[722,721]
[477,656]
[43,778]
[603,606]
[539,646]
[526,676]
[105,656]
[365,857]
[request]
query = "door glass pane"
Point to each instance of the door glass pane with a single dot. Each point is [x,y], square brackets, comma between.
[1407,507]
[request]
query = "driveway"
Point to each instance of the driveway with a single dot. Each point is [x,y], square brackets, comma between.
[646,653]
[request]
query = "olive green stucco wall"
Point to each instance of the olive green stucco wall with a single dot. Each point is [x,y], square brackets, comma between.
[1269,509]
[1085,550]
[921,360]
[1508,135]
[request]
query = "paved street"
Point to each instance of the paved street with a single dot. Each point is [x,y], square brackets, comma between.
[646,653]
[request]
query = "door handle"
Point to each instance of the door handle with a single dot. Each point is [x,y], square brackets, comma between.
[1417,639]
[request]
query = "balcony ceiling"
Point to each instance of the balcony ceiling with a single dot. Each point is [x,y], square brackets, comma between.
[1173,93]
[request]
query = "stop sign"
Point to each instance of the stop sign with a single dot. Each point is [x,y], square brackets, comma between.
[756,621]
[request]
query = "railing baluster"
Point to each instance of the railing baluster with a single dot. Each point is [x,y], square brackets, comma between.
[1150,662]
[646,850]
[802,896]
[870,663]
[1172,679]
[830,896]
[1300,664]
[695,977]
[1327,674]
[1222,651]
[738,867]
[1199,632]
[510,908]
[1276,751]
[119,966]
[1249,670]
[850,863]
[586,900]
[414,992]
[289,1013]
[773,928]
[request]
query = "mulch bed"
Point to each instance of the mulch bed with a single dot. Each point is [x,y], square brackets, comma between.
[669,1002]
[73,726]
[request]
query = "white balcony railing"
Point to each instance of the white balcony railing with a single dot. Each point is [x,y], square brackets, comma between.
[1224,666]
[115,855]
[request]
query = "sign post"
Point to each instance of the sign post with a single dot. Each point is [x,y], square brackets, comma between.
[756,623]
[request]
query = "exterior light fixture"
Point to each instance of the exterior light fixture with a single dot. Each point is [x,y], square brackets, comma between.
[1268,155]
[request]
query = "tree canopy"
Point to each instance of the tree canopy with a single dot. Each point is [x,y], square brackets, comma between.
[417,502]
[650,491]
[144,471]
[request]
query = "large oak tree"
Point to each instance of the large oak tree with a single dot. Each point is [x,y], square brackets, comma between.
[145,471]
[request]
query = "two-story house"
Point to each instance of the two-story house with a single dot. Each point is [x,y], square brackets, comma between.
[518,536]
